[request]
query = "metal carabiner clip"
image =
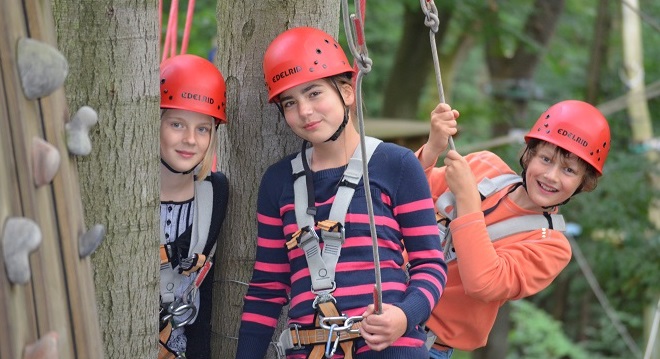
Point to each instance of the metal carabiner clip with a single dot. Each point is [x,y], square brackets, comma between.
[329,353]
[181,310]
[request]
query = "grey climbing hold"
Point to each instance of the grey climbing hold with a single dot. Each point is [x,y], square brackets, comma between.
[44,348]
[20,237]
[91,240]
[77,130]
[45,161]
[41,67]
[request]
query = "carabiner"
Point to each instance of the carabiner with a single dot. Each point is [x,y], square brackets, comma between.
[329,353]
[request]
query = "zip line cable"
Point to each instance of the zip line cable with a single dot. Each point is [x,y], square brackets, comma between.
[355,34]
[654,332]
[602,298]
[432,20]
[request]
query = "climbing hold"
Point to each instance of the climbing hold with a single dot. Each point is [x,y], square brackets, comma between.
[45,161]
[20,237]
[44,348]
[41,67]
[91,240]
[77,131]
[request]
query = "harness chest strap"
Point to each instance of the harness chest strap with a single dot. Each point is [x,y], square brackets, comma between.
[322,263]
[171,279]
[446,207]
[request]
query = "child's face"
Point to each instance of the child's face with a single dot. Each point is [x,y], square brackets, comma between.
[552,178]
[184,138]
[314,109]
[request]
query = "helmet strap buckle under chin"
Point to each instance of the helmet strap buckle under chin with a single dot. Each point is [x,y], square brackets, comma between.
[175,171]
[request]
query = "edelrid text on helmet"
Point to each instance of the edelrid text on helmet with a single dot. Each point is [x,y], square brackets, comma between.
[300,55]
[189,82]
[577,127]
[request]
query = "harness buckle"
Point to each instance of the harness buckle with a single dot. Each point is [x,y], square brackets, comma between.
[302,236]
[298,345]
[323,296]
[177,309]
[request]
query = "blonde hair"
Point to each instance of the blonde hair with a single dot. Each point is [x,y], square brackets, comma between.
[206,165]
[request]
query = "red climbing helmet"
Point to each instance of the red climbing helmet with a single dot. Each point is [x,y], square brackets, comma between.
[577,127]
[189,82]
[300,55]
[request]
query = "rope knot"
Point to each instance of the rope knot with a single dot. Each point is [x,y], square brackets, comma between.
[431,12]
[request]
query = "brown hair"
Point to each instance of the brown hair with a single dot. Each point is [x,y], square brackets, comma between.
[590,177]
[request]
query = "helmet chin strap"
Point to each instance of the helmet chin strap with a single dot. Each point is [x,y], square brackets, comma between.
[173,170]
[337,133]
[344,122]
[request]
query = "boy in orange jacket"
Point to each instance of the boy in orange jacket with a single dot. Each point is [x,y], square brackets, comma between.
[564,155]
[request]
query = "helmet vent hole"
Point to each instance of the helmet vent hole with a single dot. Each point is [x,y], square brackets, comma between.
[547,131]
[327,41]
[318,51]
[604,144]
[545,125]
[325,66]
[547,116]
[165,91]
[311,69]
[162,81]
[591,153]
[316,62]
[170,97]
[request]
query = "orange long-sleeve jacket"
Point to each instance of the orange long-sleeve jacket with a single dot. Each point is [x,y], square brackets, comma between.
[485,274]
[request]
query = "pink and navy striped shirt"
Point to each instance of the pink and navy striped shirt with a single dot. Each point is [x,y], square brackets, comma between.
[403,211]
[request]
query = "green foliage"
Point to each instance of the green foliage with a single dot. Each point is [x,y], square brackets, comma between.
[536,335]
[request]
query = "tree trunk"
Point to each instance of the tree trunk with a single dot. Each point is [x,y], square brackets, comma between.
[255,137]
[642,127]
[112,48]
[413,64]
[512,76]
[599,47]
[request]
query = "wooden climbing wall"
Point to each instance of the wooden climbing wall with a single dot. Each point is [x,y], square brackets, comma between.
[56,307]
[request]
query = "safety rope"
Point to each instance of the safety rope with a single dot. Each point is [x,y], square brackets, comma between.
[654,332]
[354,29]
[171,33]
[602,298]
[432,20]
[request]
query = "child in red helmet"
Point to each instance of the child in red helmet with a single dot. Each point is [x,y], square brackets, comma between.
[314,249]
[193,201]
[564,155]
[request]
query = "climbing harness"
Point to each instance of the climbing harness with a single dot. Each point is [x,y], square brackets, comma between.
[178,311]
[446,212]
[446,207]
[432,20]
[332,328]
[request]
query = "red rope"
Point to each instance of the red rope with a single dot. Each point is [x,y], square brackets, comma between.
[171,33]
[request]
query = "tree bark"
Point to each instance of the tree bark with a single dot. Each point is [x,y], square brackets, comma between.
[413,63]
[599,49]
[255,137]
[512,76]
[112,49]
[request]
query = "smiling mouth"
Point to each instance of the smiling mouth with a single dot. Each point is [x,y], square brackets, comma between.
[311,124]
[547,188]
